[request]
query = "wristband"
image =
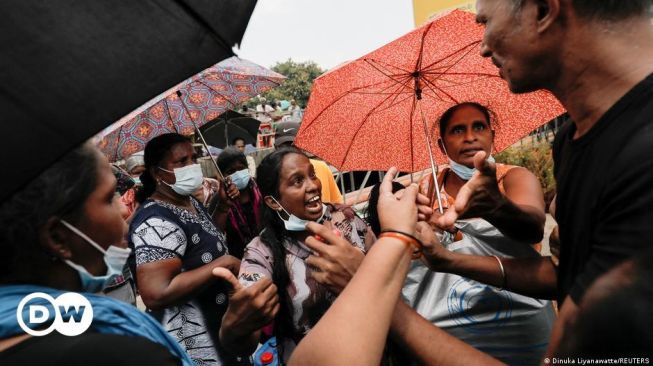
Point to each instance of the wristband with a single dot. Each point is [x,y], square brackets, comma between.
[408,239]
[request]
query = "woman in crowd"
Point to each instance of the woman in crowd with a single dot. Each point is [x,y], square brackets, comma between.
[244,217]
[511,327]
[62,233]
[134,165]
[177,246]
[291,196]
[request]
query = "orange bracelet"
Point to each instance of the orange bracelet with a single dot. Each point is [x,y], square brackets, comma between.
[407,239]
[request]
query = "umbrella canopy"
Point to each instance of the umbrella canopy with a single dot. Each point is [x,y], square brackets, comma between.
[230,125]
[366,114]
[70,68]
[193,102]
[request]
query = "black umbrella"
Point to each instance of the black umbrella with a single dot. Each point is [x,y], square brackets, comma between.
[70,68]
[228,126]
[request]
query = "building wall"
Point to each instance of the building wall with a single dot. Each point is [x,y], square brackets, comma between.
[424,10]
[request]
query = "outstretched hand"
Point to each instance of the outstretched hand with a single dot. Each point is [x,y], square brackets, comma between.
[335,258]
[400,211]
[479,197]
[250,308]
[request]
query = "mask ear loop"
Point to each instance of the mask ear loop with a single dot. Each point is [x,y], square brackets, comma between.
[83,236]
[282,208]
[443,148]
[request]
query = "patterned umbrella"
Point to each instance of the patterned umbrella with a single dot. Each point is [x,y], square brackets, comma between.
[188,105]
[381,110]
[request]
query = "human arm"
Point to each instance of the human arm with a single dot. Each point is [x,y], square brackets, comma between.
[222,202]
[336,262]
[258,294]
[534,277]
[159,246]
[430,345]
[345,334]
[163,284]
[519,214]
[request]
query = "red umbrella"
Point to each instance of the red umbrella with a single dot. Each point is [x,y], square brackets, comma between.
[373,112]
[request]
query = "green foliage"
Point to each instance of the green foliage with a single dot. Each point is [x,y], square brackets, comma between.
[537,158]
[298,83]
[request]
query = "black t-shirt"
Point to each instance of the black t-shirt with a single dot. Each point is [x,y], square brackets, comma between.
[605,191]
[88,349]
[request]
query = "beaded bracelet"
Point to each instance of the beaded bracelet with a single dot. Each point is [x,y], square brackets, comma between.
[408,239]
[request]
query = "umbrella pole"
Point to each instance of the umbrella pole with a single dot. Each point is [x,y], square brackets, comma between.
[206,146]
[434,167]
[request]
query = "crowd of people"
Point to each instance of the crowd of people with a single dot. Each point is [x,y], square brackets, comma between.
[268,257]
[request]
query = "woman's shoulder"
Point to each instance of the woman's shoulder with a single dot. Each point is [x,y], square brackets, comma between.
[152,210]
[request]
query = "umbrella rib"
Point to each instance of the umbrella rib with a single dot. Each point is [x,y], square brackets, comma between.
[403,72]
[428,85]
[172,122]
[393,103]
[459,73]
[449,67]
[370,62]
[213,91]
[382,91]
[365,119]
[465,49]
[452,83]
[396,96]
[115,155]
[412,147]
[418,65]
[265,78]
[352,91]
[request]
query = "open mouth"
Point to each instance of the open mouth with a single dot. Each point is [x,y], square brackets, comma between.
[470,152]
[314,204]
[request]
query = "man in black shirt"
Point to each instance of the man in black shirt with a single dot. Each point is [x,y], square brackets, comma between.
[596,57]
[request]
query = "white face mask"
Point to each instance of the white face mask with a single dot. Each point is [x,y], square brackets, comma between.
[463,171]
[294,223]
[187,179]
[114,258]
[240,179]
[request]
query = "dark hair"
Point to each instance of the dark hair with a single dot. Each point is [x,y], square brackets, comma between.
[272,236]
[229,156]
[446,116]
[155,151]
[607,9]
[60,191]
[233,142]
[372,214]
[615,324]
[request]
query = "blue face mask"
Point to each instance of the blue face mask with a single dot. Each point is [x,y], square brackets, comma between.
[114,258]
[294,223]
[240,179]
[463,171]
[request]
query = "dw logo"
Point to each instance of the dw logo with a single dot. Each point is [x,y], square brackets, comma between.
[70,314]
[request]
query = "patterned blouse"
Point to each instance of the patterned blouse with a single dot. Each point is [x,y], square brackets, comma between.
[310,299]
[161,231]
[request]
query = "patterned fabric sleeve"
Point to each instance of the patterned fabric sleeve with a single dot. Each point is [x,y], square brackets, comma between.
[158,239]
[256,263]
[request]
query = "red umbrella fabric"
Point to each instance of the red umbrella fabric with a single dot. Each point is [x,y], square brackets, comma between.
[196,100]
[365,114]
